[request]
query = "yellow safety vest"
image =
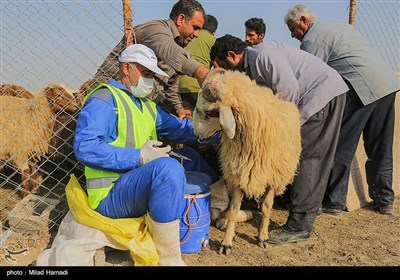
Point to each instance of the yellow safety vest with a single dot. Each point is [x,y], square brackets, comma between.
[134,129]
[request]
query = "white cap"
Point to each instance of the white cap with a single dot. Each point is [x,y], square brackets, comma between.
[143,55]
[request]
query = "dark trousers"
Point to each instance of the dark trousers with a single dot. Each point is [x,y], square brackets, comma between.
[376,122]
[319,136]
[189,100]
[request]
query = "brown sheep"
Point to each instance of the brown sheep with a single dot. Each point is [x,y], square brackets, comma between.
[60,160]
[260,142]
[84,89]
[27,127]
[15,90]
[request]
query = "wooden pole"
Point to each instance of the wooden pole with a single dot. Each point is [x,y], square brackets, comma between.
[352,12]
[128,29]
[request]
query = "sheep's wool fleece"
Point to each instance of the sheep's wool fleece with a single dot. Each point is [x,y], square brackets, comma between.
[26,126]
[266,148]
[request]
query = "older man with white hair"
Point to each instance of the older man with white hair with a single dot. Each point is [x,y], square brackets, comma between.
[369,105]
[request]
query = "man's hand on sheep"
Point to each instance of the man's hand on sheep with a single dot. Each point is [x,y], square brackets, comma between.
[184,113]
[151,150]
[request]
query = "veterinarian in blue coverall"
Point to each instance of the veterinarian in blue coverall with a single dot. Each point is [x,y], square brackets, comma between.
[127,174]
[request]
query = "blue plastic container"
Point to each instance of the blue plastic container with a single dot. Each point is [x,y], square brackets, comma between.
[195,220]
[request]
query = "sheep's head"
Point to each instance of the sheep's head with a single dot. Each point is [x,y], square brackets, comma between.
[60,99]
[84,89]
[211,115]
[15,90]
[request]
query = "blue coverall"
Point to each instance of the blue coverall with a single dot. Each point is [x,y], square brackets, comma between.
[156,187]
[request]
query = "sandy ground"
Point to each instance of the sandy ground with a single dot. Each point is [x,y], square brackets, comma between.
[361,237]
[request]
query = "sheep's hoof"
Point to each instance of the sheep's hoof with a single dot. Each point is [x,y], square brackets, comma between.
[221,223]
[205,243]
[262,243]
[225,249]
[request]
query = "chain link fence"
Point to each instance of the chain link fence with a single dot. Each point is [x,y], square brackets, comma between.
[379,22]
[48,51]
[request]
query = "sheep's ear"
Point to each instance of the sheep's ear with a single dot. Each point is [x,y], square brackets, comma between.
[60,99]
[227,121]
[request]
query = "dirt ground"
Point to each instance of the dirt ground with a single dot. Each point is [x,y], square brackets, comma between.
[361,237]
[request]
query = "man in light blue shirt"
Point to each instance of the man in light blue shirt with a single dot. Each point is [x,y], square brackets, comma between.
[369,105]
[318,91]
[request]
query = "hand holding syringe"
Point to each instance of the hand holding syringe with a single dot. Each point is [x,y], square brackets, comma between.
[153,149]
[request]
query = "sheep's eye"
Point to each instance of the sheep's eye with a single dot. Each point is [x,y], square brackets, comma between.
[199,113]
[212,114]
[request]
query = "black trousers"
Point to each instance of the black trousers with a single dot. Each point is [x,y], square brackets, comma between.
[189,100]
[319,136]
[376,123]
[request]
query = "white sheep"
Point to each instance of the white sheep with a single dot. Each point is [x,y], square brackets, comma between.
[260,145]
[27,126]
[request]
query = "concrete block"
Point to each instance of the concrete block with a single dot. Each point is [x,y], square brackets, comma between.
[32,213]
[107,256]
[99,258]
[115,257]
[357,196]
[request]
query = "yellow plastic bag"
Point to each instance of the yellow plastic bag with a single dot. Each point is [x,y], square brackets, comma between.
[131,233]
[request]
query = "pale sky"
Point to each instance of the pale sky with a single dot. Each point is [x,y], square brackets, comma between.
[66,41]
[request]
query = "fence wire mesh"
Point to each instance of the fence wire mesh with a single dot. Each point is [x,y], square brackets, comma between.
[378,21]
[48,51]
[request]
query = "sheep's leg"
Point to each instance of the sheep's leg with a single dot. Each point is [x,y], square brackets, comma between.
[234,207]
[25,177]
[266,208]
[30,179]
[35,178]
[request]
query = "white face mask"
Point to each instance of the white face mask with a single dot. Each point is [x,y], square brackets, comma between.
[143,88]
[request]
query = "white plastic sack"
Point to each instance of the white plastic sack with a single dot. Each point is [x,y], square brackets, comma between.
[75,245]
